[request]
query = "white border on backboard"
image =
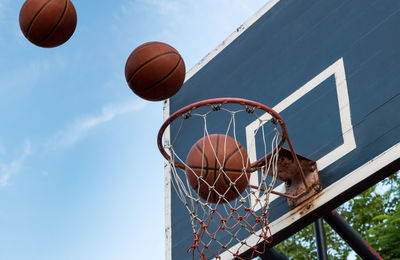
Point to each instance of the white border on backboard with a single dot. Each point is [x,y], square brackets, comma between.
[194,70]
[167,181]
[349,143]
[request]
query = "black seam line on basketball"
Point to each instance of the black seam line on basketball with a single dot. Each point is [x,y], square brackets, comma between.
[147,44]
[206,168]
[166,76]
[139,48]
[235,190]
[226,160]
[141,66]
[232,153]
[34,18]
[216,160]
[58,23]
[227,181]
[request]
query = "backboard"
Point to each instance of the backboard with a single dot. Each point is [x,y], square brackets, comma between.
[331,69]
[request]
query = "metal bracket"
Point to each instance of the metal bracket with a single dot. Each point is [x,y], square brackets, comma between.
[289,172]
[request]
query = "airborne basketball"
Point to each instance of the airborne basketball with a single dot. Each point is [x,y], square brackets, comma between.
[155,71]
[47,23]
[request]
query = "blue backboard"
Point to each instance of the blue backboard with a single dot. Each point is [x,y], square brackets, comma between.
[332,70]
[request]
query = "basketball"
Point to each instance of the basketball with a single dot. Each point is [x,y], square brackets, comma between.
[47,23]
[204,170]
[155,71]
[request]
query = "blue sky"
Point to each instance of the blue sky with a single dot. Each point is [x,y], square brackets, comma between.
[80,173]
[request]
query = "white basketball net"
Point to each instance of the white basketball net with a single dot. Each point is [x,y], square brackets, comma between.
[229,226]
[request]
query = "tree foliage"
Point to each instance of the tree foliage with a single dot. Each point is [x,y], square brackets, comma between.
[375,214]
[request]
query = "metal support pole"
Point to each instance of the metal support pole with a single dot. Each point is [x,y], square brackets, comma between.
[352,238]
[320,239]
[272,254]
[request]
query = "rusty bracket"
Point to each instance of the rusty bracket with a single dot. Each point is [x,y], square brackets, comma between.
[298,189]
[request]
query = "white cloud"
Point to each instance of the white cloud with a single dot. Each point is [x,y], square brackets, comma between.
[77,130]
[66,138]
[11,168]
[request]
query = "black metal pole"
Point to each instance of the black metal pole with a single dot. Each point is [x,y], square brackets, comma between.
[352,238]
[320,239]
[272,254]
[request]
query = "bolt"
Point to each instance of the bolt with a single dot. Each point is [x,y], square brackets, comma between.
[312,168]
[291,203]
[317,187]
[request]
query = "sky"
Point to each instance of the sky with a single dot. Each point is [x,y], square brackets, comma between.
[80,173]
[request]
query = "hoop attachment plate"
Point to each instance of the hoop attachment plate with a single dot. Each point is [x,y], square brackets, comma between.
[288,171]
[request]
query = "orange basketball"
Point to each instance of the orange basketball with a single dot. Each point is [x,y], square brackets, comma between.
[155,71]
[47,23]
[226,174]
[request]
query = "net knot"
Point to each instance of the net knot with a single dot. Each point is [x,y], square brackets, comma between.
[187,115]
[250,110]
[216,107]
[196,242]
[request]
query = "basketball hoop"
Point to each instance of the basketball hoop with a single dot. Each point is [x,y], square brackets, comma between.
[228,200]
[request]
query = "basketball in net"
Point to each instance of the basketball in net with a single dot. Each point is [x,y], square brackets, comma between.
[218,168]
[228,214]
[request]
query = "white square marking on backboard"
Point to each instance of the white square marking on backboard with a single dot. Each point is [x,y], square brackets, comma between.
[349,144]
